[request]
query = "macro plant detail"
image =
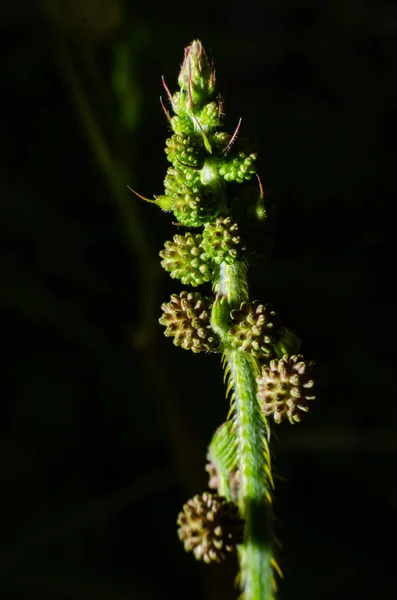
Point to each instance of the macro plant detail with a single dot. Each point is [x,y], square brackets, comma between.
[266,377]
[210,527]
[187,319]
[253,329]
[221,241]
[185,259]
[285,388]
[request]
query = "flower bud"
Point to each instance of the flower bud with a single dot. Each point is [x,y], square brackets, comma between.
[197,76]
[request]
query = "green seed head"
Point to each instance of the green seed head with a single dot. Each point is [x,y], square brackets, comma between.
[254,329]
[240,168]
[210,117]
[186,260]
[221,241]
[192,204]
[183,149]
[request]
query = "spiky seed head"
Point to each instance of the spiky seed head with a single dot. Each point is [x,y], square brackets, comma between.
[254,329]
[187,319]
[221,240]
[186,260]
[285,388]
[210,527]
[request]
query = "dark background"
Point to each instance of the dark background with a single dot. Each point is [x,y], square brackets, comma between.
[104,423]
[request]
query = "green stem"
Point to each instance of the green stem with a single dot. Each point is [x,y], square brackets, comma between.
[254,500]
[256,554]
[231,283]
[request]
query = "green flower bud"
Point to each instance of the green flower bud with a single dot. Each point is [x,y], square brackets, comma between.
[185,260]
[197,77]
[210,116]
[285,388]
[254,329]
[182,124]
[192,203]
[187,319]
[239,168]
[221,240]
[182,181]
[182,148]
[210,527]
[183,176]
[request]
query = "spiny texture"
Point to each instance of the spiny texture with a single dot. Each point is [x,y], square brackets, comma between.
[221,240]
[285,388]
[187,319]
[186,260]
[254,329]
[210,527]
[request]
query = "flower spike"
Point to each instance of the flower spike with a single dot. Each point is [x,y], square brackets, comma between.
[265,378]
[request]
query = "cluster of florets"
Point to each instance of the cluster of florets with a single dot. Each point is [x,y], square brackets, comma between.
[203,157]
[187,319]
[221,241]
[210,527]
[254,329]
[285,388]
[185,259]
[202,160]
[193,257]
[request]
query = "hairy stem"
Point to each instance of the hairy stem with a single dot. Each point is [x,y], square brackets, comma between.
[254,499]
[231,283]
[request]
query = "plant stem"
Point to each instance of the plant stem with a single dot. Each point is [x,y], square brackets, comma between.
[254,500]
[231,283]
